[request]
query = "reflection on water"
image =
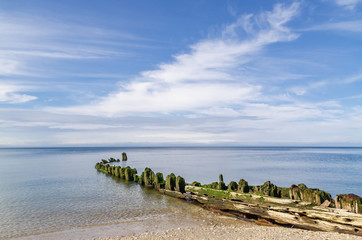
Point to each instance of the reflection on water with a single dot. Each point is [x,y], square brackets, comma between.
[53,189]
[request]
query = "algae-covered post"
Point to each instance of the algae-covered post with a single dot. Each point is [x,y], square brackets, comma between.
[180,184]
[222,185]
[349,202]
[269,189]
[159,183]
[313,195]
[116,171]
[233,186]
[196,184]
[171,182]
[124,156]
[141,179]
[129,173]
[148,177]
[243,186]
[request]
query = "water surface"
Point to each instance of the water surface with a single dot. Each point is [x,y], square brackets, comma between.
[54,189]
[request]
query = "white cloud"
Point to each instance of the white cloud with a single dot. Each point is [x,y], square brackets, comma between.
[351,97]
[8,66]
[350,26]
[11,94]
[140,97]
[254,123]
[355,78]
[28,41]
[64,53]
[349,4]
[302,90]
[296,111]
[203,78]
[288,123]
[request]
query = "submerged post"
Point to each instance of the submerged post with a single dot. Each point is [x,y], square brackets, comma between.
[124,156]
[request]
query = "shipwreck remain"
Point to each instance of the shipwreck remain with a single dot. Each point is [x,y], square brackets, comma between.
[267,204]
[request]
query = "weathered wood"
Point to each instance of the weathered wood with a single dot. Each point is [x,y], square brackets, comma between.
[279,211]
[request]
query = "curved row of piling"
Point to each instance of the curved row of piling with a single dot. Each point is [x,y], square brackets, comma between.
[296,206]
[301,192]
[147,178]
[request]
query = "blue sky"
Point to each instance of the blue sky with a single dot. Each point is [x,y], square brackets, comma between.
[229,73]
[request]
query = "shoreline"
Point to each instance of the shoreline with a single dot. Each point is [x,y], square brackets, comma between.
[198,223]
[236,233]
[188,216]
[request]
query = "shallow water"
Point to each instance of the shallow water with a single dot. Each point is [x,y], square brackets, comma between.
[55,189]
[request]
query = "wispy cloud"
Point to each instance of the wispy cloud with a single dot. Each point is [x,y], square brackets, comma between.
[8,66]
[303,89]
[348,4]
[60,54]
[205,77]
[303,122]
[348,26]
[352,79]
[12,94]
[27,40]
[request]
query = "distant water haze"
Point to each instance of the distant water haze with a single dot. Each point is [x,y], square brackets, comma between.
[55,189]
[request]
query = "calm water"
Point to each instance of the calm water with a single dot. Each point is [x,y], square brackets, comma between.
[54,189]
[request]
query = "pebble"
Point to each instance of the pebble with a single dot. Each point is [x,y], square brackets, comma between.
[208,226]
[254,232]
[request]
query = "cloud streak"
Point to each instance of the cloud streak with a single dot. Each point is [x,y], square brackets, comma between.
[348,4]
[345,26]
[204,78]
[27,40]
[12,94]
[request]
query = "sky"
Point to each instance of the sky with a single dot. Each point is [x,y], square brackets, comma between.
[176,73]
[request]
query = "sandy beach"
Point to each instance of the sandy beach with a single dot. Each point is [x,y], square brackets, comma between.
[188,222]
[216,226]
[227,232]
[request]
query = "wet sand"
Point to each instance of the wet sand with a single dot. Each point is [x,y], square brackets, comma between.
[215,226]
[186,216]
[194,223]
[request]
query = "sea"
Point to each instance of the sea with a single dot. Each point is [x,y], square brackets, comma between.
[53,190]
